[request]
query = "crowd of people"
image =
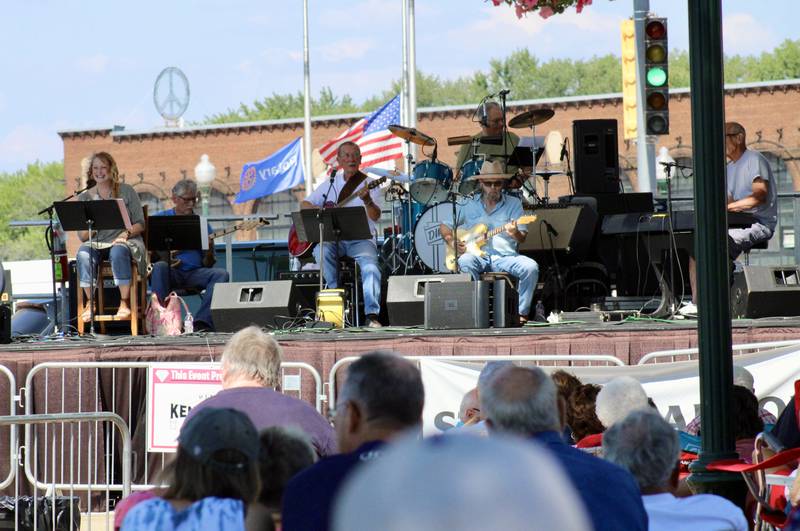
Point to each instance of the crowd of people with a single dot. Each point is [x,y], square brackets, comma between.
[532,450]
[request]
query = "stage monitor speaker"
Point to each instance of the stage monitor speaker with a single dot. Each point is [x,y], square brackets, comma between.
[567,228]
[236,305]
[5,323]
[457,305]
[305,285]
[596,157]
[765,291]
[405,296]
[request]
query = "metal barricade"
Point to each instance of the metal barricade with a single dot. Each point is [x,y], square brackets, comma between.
[67,387]
[566,359]
[13,397]
[69,496]
[688,353]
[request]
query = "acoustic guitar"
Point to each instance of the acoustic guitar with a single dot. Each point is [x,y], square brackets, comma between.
[475,238]
[301,249]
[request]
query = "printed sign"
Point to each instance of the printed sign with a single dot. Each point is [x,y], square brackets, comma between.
[173,389]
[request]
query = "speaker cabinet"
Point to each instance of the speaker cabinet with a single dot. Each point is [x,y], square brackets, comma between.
[405,296]
[766,291]
[505,304]
[457,305]
[596,156]
[564,228]
[236,305]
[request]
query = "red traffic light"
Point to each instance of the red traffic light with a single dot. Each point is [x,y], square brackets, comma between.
[656,29]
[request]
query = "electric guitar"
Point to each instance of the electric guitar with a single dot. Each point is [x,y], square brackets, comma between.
[247,224]
[475,238]
[301,249]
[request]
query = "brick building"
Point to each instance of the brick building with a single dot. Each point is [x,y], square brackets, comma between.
[153,160]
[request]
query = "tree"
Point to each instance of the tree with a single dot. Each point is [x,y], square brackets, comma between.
[22,195]
[280,106]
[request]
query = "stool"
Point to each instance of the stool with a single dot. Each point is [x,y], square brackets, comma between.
[760,245]
[491,276]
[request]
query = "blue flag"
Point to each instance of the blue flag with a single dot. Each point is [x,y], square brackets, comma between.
[278,172]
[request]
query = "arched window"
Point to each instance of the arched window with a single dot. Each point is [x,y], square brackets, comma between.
[154,204]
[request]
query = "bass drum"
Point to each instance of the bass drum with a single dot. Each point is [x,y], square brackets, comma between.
[428,242]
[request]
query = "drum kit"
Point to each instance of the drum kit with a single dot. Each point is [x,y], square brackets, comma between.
[425,197]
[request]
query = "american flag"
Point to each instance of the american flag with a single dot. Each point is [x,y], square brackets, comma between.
[372,136]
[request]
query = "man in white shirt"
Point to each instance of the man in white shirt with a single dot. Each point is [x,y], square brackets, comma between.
[365,252]
[647,446]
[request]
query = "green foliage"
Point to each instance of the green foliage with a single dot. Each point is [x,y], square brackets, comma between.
[527,77]
[22,195]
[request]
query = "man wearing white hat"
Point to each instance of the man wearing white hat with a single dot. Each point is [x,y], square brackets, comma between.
[496,210]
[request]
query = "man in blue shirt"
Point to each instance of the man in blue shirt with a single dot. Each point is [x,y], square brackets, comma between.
[524,402]
[193,269]
[382,397]
[496,210]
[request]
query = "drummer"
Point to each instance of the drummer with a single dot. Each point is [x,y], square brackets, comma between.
[496,209]
[491,120]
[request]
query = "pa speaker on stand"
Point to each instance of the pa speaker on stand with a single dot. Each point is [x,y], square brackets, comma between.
[596,157]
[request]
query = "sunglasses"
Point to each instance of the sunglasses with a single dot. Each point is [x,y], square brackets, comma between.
[192,199]
[493,184]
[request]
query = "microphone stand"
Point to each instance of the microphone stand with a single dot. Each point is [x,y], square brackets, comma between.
[50,229]
[321,221]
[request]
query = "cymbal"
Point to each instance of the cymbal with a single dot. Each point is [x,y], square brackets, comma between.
[412,135]
[531,118]
[548,173]
[458,140]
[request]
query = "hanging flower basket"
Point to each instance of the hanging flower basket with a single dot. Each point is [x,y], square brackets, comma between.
[545,8]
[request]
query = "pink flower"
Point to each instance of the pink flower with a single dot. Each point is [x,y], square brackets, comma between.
[546,11]
[497,2]
[530,4]
[520,10]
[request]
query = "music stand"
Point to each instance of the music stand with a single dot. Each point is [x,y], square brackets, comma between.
[176,233]
[103,214]
[332,224]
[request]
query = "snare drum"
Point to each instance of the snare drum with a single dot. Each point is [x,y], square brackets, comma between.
[428,242]
[431,182]
[467,183]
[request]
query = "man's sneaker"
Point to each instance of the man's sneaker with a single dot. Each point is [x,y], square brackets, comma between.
[688,310]
[372,321]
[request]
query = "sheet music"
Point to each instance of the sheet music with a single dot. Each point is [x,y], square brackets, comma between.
[123,210]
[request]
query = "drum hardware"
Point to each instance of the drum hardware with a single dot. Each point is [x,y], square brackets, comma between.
[545,175]
[459,140]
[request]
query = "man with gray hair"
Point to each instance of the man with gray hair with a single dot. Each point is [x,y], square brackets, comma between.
[382,398]
[251,379]
[619,397]
[647,446]
[523,401]
[188,269]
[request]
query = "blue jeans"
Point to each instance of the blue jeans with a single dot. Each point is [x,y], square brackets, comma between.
[118,255]
[365,253]
[525,269]
[164,279]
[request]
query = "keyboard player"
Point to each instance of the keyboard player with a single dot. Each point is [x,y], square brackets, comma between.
[751,188]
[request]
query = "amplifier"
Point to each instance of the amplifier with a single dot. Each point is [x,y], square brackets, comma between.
[457,305]
[405,296]
[568,229]
[765,291]
[505,304]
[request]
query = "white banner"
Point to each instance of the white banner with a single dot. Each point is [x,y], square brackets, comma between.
[173,389]
[674,387]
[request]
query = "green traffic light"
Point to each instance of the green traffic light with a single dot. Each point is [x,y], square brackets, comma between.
[656,76]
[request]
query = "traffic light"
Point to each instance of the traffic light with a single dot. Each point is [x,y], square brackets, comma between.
[629,117]
[656,111]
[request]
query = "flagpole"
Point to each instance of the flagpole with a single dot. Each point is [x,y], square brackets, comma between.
[306,104]
[404,114]
[412,67]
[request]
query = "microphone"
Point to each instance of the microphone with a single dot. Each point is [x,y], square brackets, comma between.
[550,228]
[333,174]
[90,182]
[504,92]
[563,150]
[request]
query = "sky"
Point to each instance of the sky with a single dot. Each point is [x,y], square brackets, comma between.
[93,63]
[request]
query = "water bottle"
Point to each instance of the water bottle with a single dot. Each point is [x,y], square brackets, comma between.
[188,324]
[294,263]
[60,252]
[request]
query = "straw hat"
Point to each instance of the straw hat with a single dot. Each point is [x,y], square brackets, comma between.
[492,170]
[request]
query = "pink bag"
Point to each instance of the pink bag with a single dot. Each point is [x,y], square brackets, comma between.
[166,320]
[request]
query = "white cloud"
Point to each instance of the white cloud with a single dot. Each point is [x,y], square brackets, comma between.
[93,64]
[28,143]
[743,34]
[346,49]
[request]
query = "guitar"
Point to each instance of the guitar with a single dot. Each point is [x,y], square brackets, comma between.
[247,224]
[301,249]
[475,238]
